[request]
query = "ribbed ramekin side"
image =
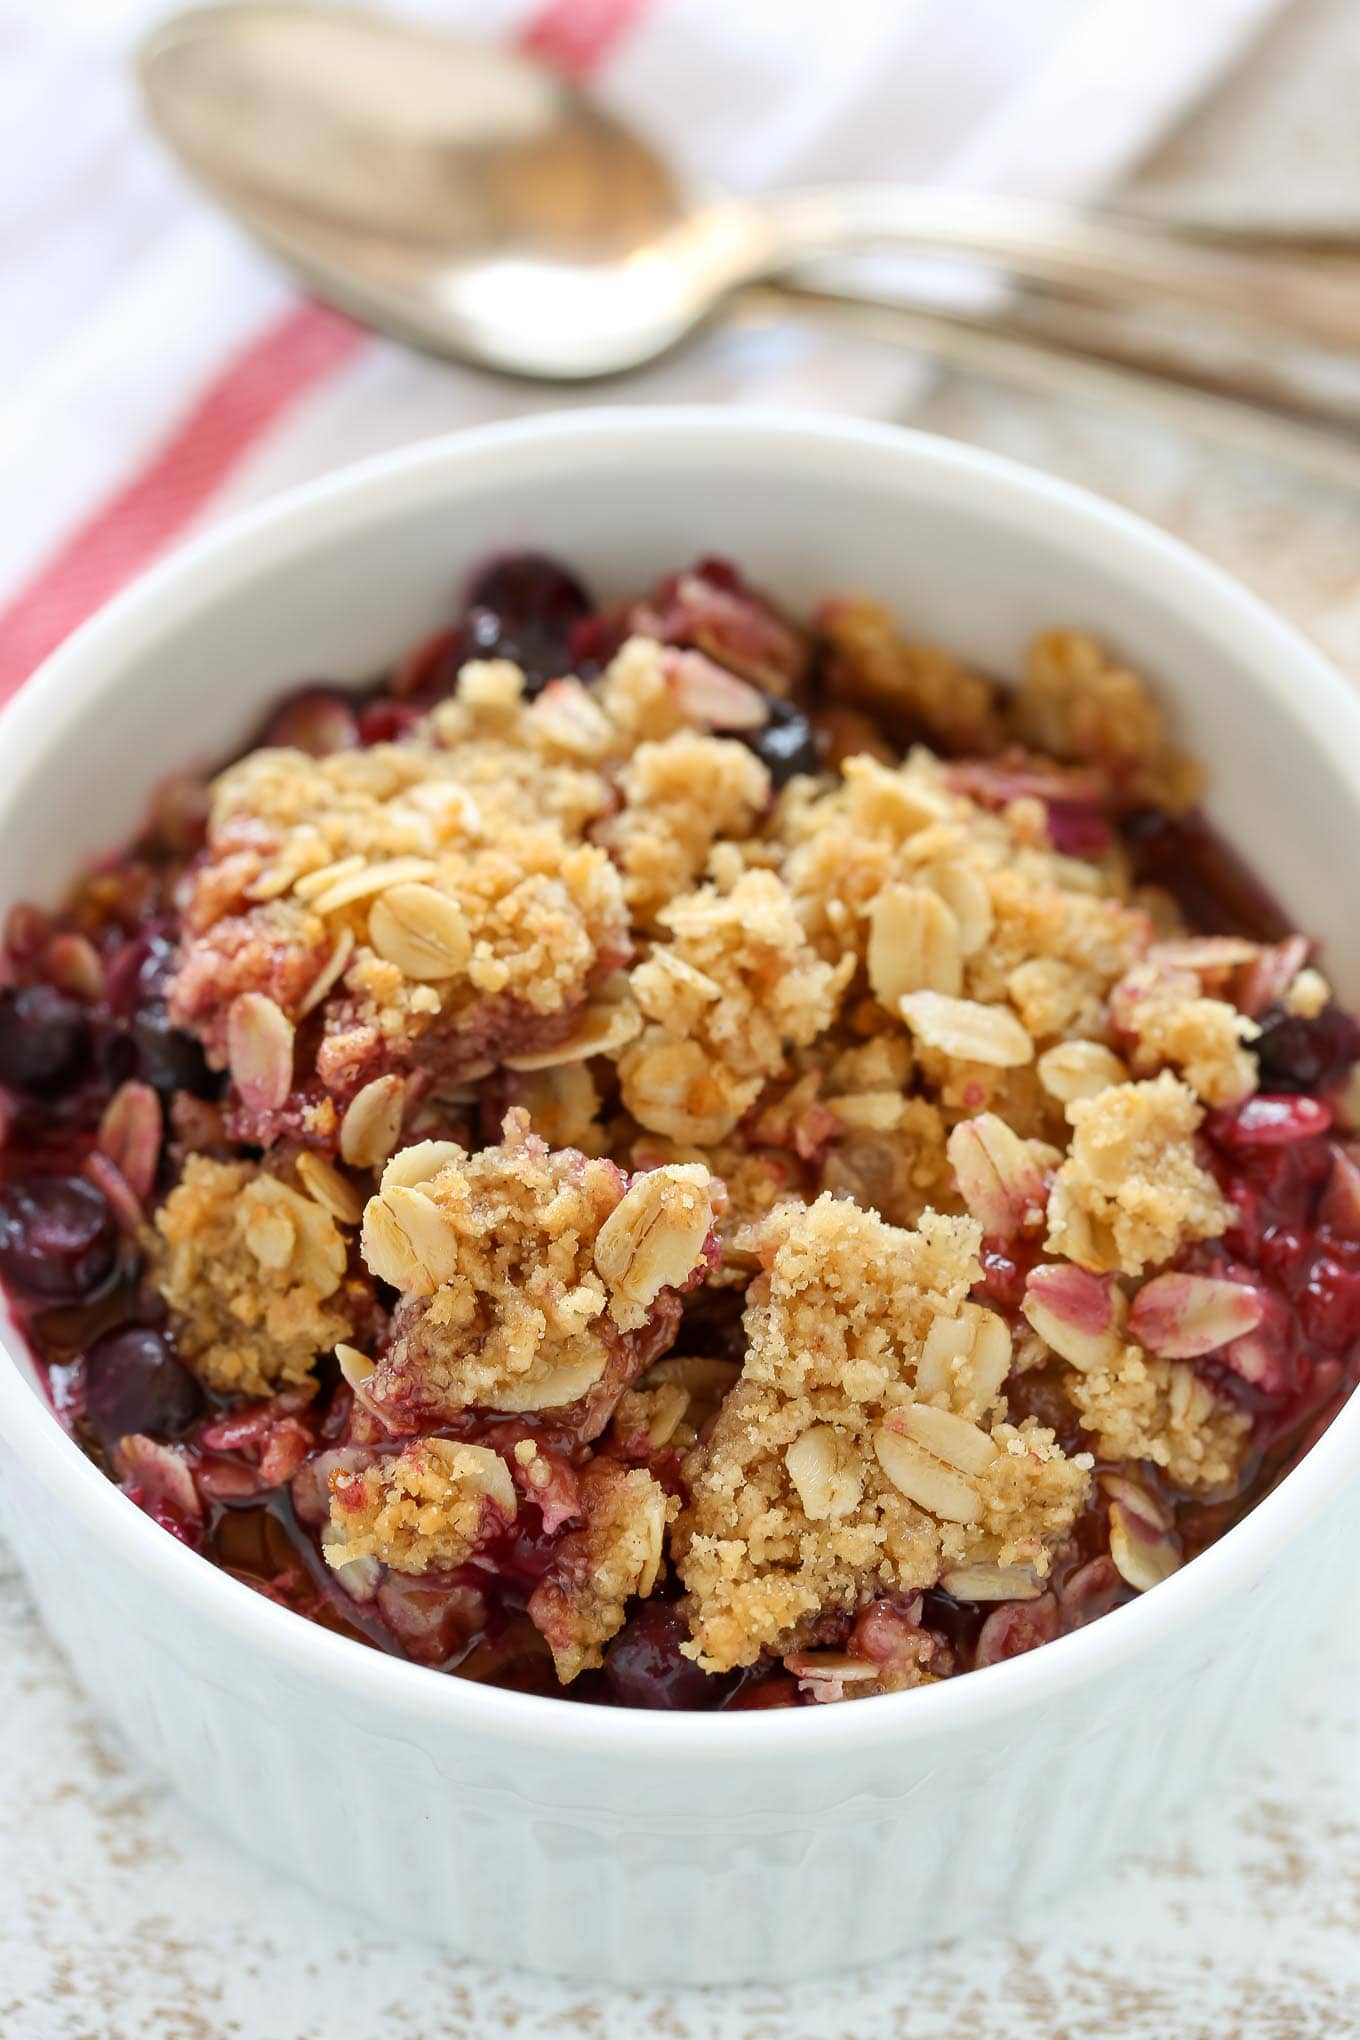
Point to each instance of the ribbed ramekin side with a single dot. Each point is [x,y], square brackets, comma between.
[633,1872]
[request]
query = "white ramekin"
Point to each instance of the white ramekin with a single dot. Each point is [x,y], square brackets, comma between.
[626,1847]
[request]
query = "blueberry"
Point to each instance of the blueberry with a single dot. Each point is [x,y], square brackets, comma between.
[643,1666]
[1295,1054]
[169,1059]
[44,1038]
[138,971]
[524,606]
[133,1382]
[786,744]
[57,1238]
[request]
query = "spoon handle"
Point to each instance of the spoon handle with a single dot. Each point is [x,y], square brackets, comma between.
[1063,245]
[1323,446]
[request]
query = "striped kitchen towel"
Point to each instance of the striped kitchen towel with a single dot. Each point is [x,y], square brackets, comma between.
[157,373]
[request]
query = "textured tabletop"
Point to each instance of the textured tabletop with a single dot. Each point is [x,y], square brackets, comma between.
[120,1915]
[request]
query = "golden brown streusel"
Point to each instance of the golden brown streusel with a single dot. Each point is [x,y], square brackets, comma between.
[1167,1023]
[523,1273]
[408,885]
[679,797]
[637,696]
[424,1508]
[252,1271]
[616,1554]
[872,666]
[1075,701]
[1143,1407]
[730,987]
[799,1495]
[1132,1190]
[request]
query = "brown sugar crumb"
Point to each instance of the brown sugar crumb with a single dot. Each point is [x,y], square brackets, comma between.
[680,796]
[252,1271]
[876,826]
[638,697]
[947,901]
[1132,1192]
[1055,948]
[1076,702]
[859,1451]
[927,690]
[652,1420]
[424,1508]
[1140,1406]
[730,988]
[596,1570]
[1165,1021]
[404,890]
[526,1276]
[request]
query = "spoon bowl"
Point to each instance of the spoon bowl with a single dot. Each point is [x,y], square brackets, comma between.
[449,190]
[465,198]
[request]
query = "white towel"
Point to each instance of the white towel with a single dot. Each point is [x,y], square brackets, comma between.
[157,373]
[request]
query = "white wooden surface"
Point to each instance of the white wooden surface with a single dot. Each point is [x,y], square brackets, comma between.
[120,1916]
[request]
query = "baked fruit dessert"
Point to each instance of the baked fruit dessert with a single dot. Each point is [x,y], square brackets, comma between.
[672,1156]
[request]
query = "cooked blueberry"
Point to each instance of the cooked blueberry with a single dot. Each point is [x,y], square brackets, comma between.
[133,1382]
[57,1238]
[1295,1054]
[44,1037]
[643,1666]
[786,744]
[168,1058]
[138,972]
[524,607]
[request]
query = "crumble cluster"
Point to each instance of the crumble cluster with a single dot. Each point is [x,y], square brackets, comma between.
[820,1043]
[425,1508]
[863,1445]
[1132,1191]
[597,1569]
[525,1275]
[253,1272]
[438,901]
[1138,1406]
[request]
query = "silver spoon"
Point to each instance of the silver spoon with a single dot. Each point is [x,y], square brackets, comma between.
[466,199]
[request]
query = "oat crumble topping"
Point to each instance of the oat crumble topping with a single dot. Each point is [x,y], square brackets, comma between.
[1132,1191]
[597,1570]
[729,988]
[525,1275]
[695,1150]
[862,1447]
[252,1271]
[427,1507]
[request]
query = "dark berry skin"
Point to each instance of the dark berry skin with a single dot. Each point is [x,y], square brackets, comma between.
[1295,1054]
[643,1666]
[139,1040]
[133,1382]
[786,744]
[44,1038]
[319,720]
[524,607]
[58,1242]
[169,1059]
